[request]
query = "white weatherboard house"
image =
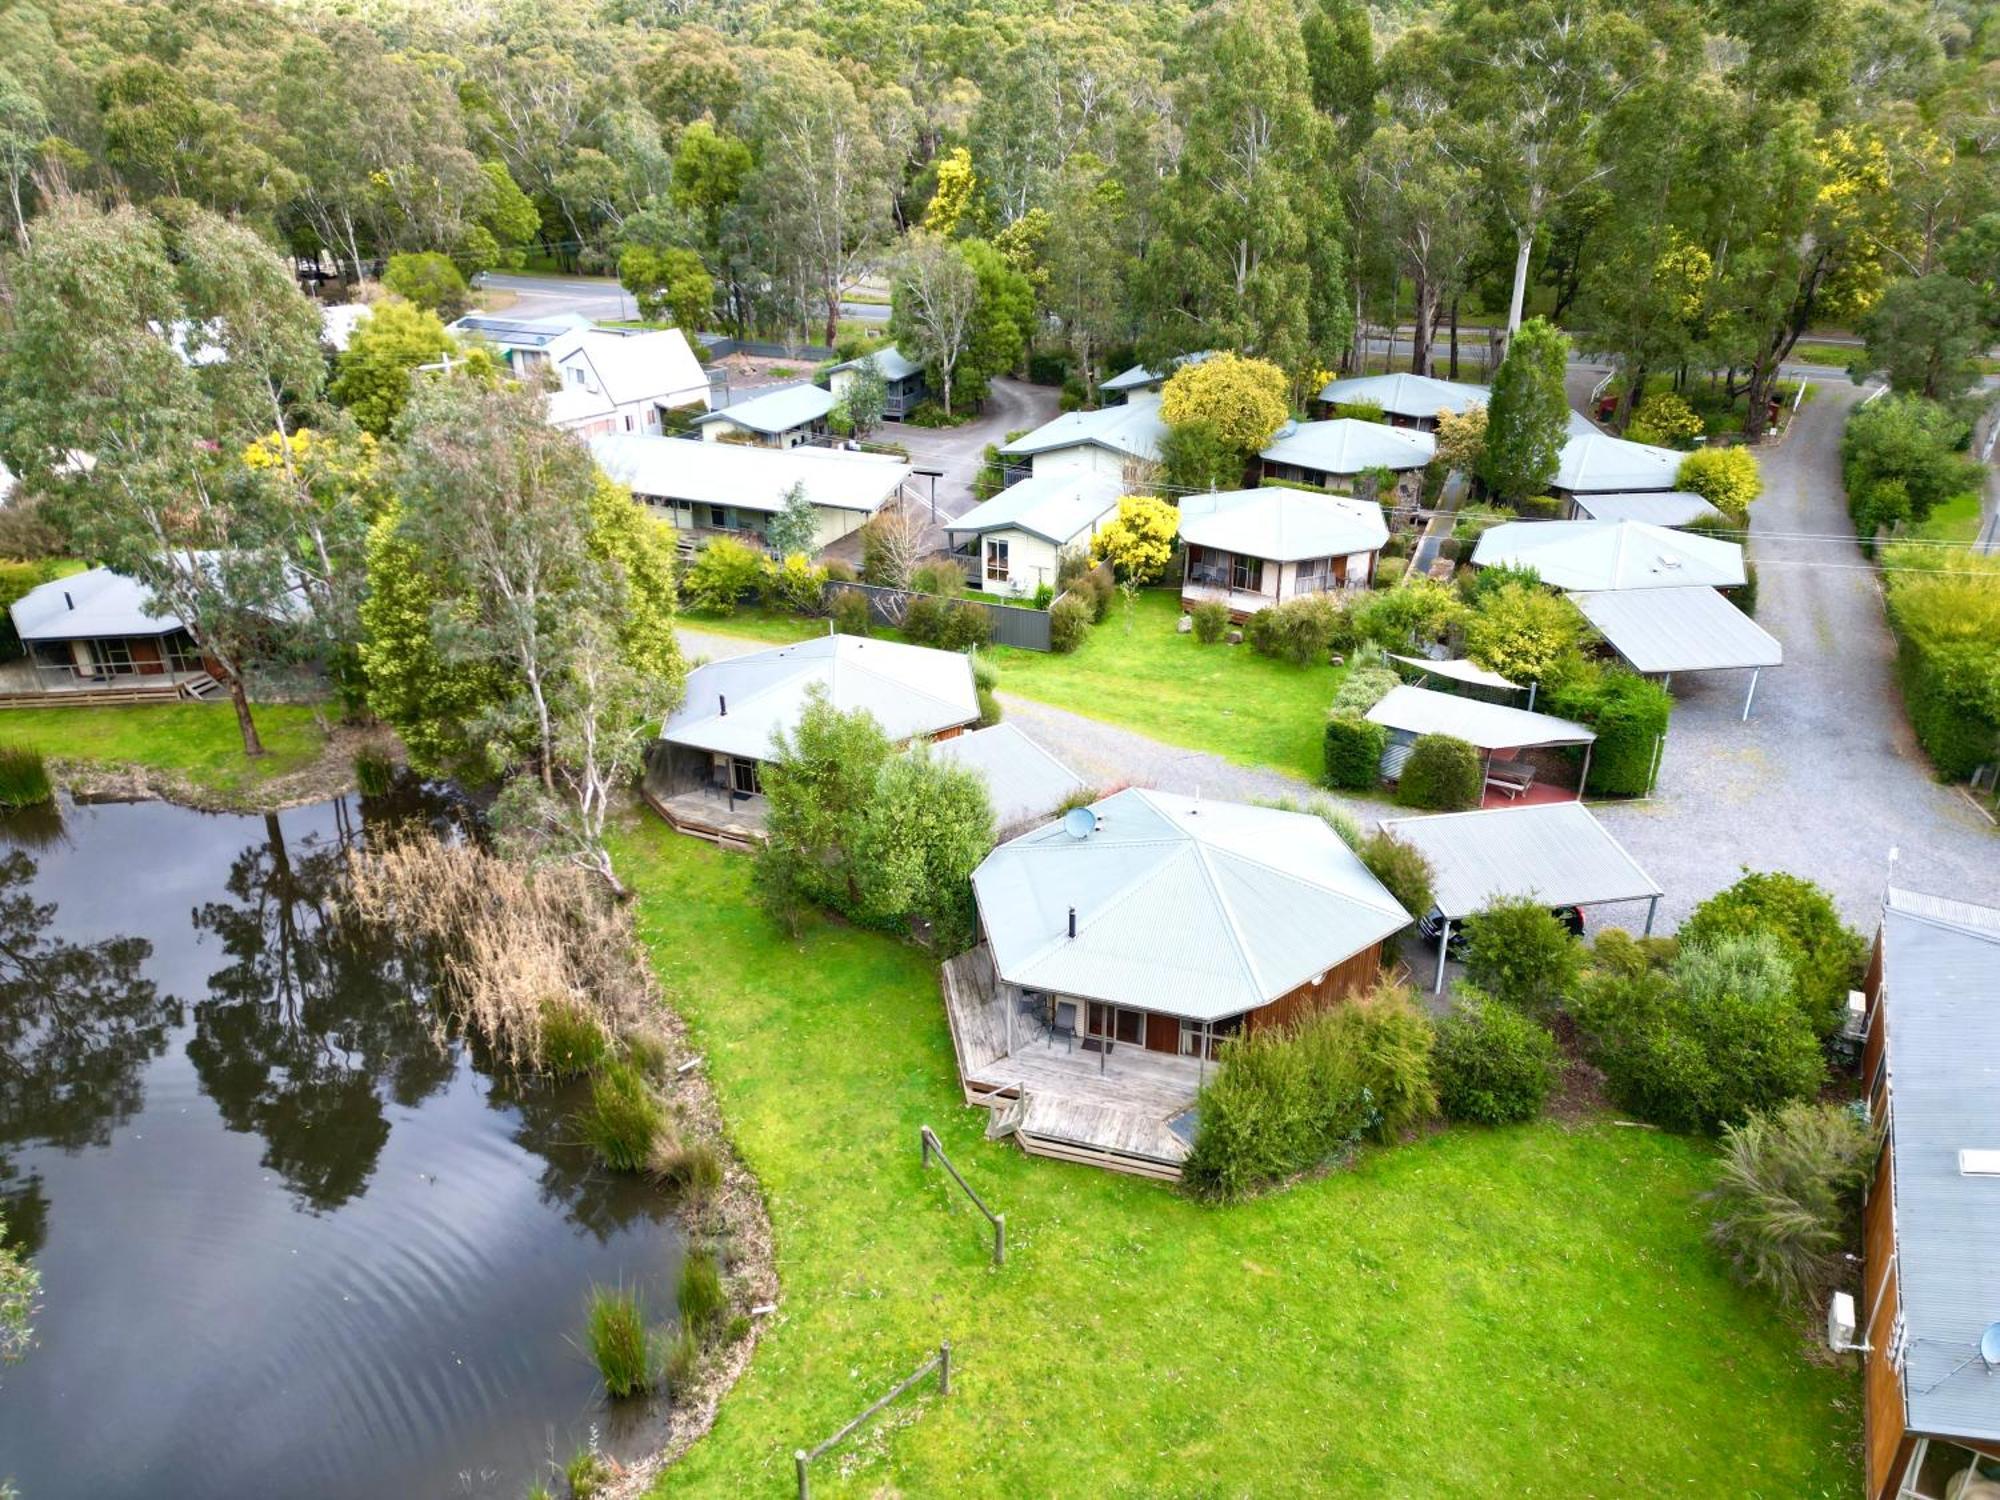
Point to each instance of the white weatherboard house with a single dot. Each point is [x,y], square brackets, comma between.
[1594,462]
[1249,549]
[523,343]
[718,487]
[622,380]
[904,388]
[1335,454]
[783,418]
[1119,443]
[1126,942]
[1597,556]
[723,731]
[93,630]
[1018,538]
[1406,400]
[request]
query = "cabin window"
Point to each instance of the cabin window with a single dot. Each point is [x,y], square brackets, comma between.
[1112,1024]
[1312,575]
[1247,573]
[1940,1471]
[1217,1032]
[996,560]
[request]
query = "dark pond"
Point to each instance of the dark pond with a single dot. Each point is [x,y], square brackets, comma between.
[288,1246]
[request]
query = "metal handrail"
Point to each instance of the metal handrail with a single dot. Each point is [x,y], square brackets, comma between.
[928,1141]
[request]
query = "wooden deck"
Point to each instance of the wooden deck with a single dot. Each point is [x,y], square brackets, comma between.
[707,814]
[1111,1111]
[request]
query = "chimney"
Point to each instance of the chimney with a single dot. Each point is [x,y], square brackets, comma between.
[1072,921]
[721,706]
[68,603]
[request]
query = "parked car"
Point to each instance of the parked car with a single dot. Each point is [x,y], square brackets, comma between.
[1427,928]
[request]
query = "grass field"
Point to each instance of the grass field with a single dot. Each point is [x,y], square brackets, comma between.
[1957,520]
[196,740]
[1526,1312]
[1226,699]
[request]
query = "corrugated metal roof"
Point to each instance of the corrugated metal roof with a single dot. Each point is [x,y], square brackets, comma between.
[1056,507]
[892,362]
[1556,852]
[93,604]
[517,333]
[1604,555]
[1134,429]
[636,365]
[1490,726]
[1406,395]
[1598,461]
[1024,782]
[1197,909]
[1138,377]
[1347,445]
[671,468]
[1655,508]
[1282,525]
[1941,977]
[909,690]
[1691,629]
[1458,670]
[776,411]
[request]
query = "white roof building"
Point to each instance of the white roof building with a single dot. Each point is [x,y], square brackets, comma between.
[1058,508]
[1106,441]
[784,416]
[1595,556]
[96,604]
[622,380]
[1139,378]
[1203,910]
[1655,508]
[1282,525]
[1024,783]
[1488,726]
[337,323]
[735,706]
[518,337]
[1348,446]
[1595,462]
[1414,398]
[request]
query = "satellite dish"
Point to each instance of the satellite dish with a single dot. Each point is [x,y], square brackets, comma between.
[1989,1346]
[1079,822]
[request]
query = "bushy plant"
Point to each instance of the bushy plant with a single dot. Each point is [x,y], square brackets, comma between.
[850,612]
[1363,687]
[1629,714]
[1518,952]
[1494,1065]
[1787,1202]
[925,619]
[24,778]
[682,1360]
[725,573]
[701,1298]
[1443,774]
[1664,420]
[945,580]
[1477,585]
[1522,631]
[623,1117]
[1389,571]
[692,1171]
[619,1342]
[1241,400]
[1726,477]
[588,1474]
[1287,1099]
[572,1040]
[1703,1042]
[966,627]
[1418,614]
[1944,607]
[1402,868]
[1070,621]
[1211,621]
[1353,752]
[989,707]
[1300,631]
[795,585]
[1139,541]
[839,570]
[1912,443]
[1825,955]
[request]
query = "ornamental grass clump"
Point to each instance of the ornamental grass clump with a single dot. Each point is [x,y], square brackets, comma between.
[572,1042]
[620,1345]
[24,778]
[702,1299]
[623,1119]
[1788,1200]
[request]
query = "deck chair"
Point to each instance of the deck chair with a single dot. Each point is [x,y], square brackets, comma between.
[1064,1025]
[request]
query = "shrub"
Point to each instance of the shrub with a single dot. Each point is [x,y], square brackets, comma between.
[1787,1202]
[1389,571]
[1944,608]
[622,1119]
[1518,952]
[1290,1098]
[702,1299]
[1744,596]
[1300,631]
[1826,957]
[1704,1043]
[838,570]
[1726,478]
[1521,631]
[850,612]
[1442,774]
[724,574]
[989,708]
[1416,615]
[1354,749]
[925,619]
[588,1474]
[1211,622]
[984,674]
[795,585]
[1911,443]
[1362,688]
[683,1359]
[1475,521]
[24,779]
[1629,714]
[1664,420]
[620,1346]
[1241,400]
[374,773]
[945,580]
[1069,623]
[1359,411]
[572,1041]
[1139,541]
[1494,1065]
[966,627]
[1402,868]
[429,280]
[692,1172]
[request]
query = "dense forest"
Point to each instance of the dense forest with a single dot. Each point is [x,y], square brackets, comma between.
[1680,184]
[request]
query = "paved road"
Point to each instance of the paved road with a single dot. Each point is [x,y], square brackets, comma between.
[551,296]
[1011,406]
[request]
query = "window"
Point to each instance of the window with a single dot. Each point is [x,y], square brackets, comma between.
[743,778]
[996,560]
[575,375]
[1312,576]
[1247,573]
[1112,1024]
[114,655]
[1218,1032]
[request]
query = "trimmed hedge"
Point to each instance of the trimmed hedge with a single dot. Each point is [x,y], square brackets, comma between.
[1442,774]
[1494,1065]
[1629,714]
[1354,752]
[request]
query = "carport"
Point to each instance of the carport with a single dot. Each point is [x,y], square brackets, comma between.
[1557,853]
[1414,711]
[1689,629]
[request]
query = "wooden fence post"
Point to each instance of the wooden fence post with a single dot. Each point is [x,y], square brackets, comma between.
[944,1368]
[999,1239]
[799,1463]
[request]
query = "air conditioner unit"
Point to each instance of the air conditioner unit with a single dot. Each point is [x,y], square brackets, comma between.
[1840,1325]
[1855,1027]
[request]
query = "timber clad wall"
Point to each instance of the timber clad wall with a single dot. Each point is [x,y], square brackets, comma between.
[1888,1446]
[1349,977]
[1163,1033]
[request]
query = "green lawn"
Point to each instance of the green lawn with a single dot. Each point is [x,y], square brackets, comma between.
[1527,1312]
[754,622]
[1957,520]
[1226,699]
[196,740]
